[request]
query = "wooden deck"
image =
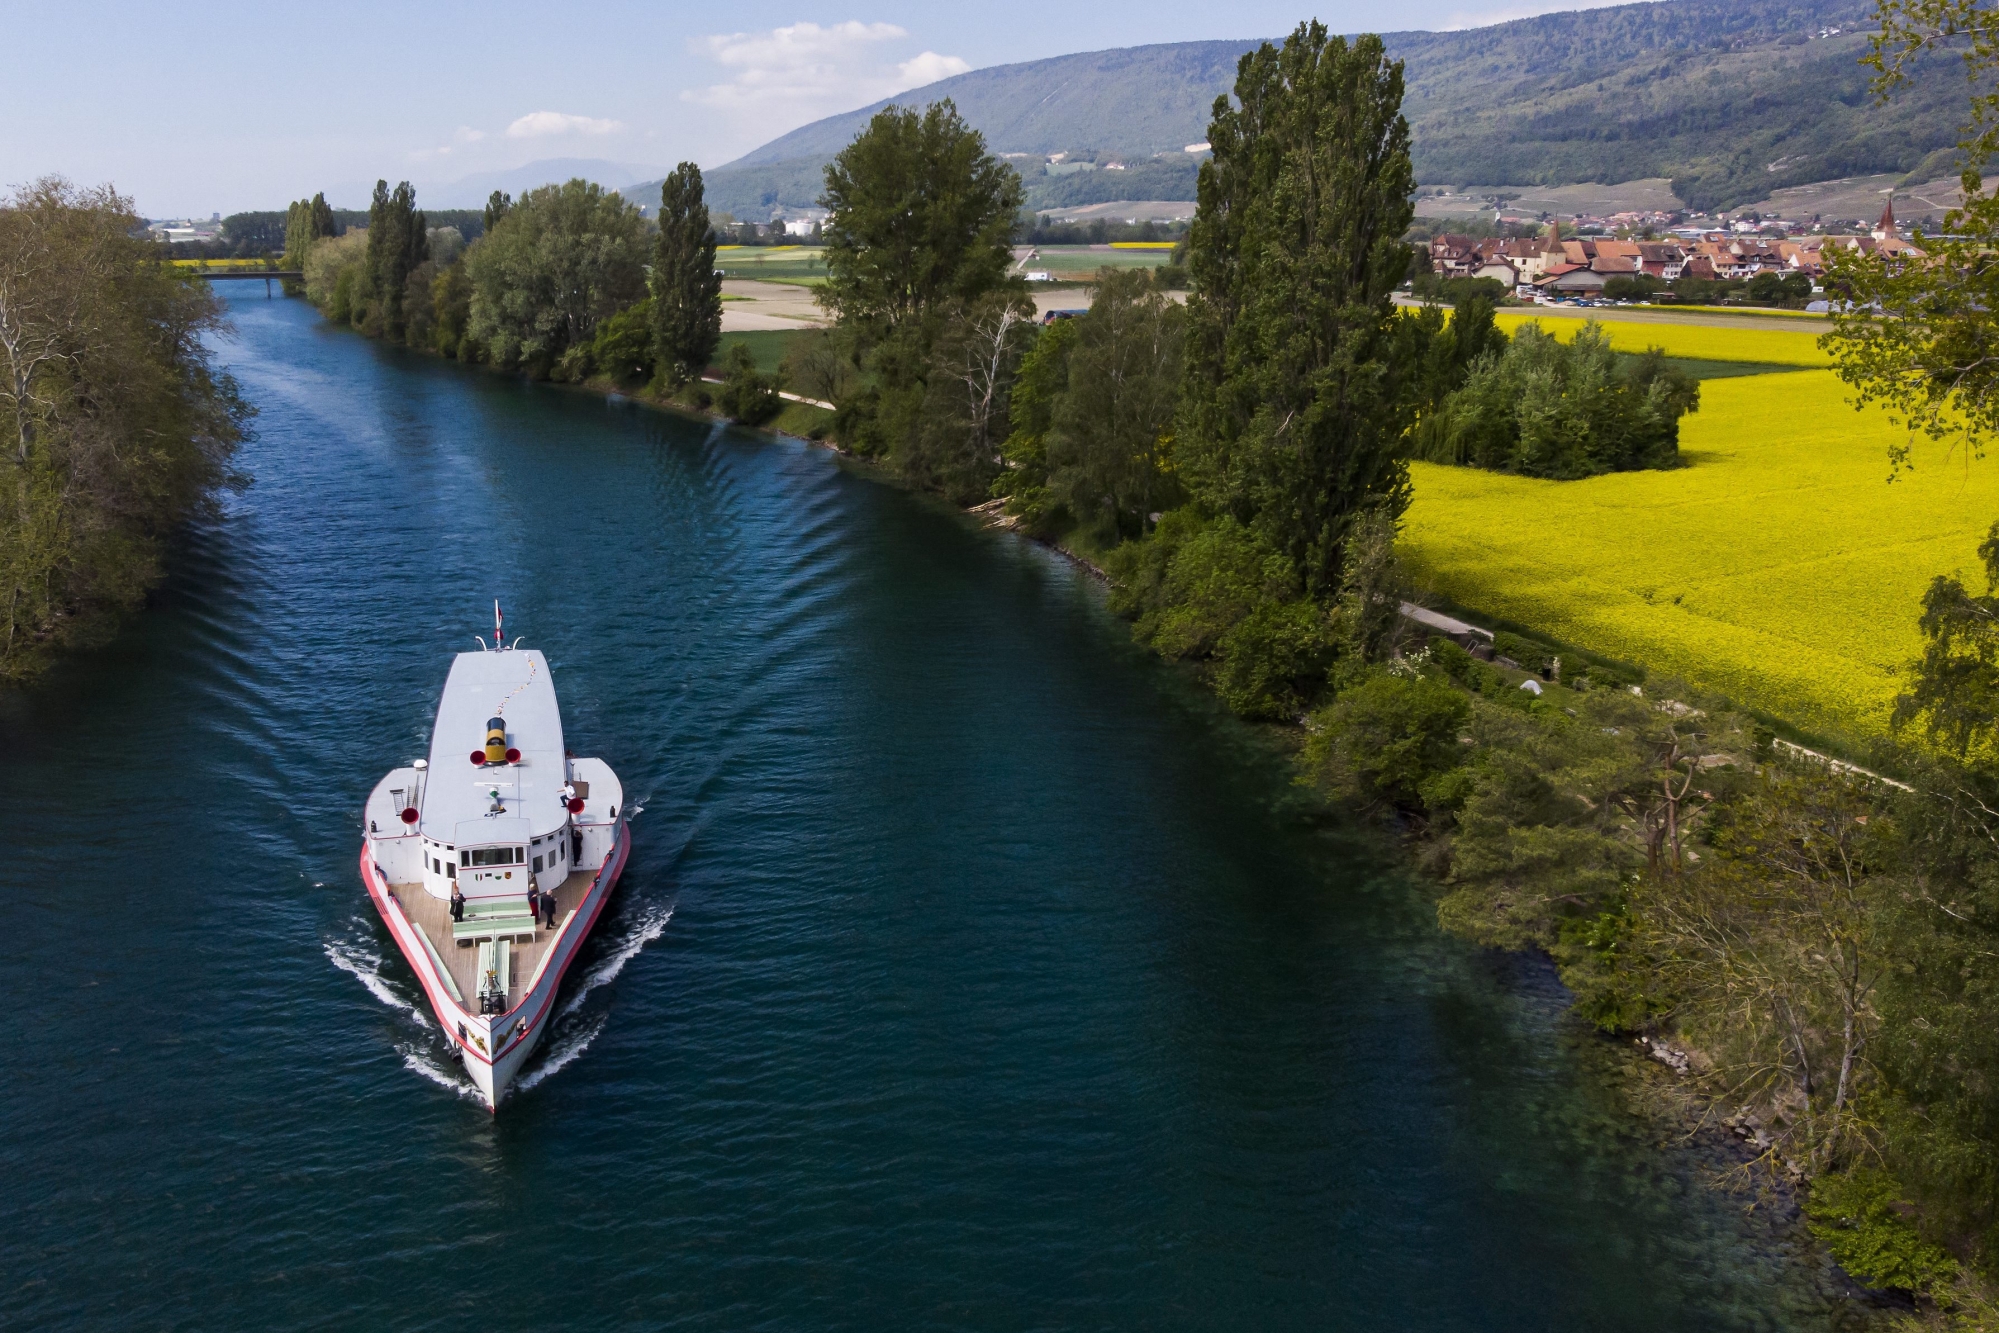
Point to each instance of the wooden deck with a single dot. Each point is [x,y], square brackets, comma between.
[432,916]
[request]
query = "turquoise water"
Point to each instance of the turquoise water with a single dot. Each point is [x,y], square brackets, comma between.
[971,971]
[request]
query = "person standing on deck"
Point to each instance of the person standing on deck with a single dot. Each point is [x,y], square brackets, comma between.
[534,899]
[548,907]
[457,903]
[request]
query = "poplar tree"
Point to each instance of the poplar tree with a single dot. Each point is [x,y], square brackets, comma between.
[1294,406]
[306,221]
[398,240]
[686,289]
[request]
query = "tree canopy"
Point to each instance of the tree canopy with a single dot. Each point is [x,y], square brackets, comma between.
[922,215]
[117,428]
[562,259]
[1294,409]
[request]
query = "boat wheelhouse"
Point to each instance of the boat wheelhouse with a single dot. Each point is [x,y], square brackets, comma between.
[464,850]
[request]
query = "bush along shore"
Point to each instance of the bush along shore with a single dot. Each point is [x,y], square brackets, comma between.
[120,429]
[1807,943]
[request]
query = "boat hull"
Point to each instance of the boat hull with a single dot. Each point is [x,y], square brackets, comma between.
[494,1047]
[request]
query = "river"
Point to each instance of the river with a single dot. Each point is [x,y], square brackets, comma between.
[972,971]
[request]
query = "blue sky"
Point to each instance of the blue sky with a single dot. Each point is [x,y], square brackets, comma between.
[229,105]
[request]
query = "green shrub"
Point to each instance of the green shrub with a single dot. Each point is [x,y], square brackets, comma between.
[1265,660]
[1457,291]
[1530,655]
[1475,675]
[1393,738]
[1633,287]
[1213,589]
[1858,1215]
[1600,961]
[747,395]
[623,345]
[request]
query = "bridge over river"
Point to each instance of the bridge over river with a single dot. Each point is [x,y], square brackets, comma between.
[269,275]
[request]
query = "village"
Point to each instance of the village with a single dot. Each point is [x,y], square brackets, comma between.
[1551,267]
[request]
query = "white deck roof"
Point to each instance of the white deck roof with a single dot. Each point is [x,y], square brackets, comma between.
[458,795]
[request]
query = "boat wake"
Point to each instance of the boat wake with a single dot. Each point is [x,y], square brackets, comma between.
[416,1059]
[564,1050]
[365,965]
[644,931]
[568,1039]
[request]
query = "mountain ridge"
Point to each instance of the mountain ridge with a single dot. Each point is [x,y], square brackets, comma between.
[1730,100]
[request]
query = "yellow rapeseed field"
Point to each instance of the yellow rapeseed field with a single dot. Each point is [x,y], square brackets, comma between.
[1695,341]
[1780,566]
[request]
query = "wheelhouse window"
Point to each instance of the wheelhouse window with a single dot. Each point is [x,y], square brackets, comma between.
[496,856]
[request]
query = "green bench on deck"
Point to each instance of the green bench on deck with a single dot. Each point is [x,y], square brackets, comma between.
[492,918]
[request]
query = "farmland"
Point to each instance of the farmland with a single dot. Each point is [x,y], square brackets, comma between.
[1780,566]
[773,263]
[1695,342]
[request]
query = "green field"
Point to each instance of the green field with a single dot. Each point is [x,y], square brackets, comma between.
[1780,566]
[772,263]
[768,346]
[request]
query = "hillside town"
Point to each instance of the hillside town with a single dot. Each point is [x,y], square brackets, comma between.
[1551,267]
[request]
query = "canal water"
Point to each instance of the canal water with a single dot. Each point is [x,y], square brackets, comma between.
[972,971]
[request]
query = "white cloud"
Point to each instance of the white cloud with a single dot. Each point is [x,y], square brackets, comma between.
[928,68]
[805,70]
[546,124]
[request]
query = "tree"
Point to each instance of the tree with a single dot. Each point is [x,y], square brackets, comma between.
[1112,427]
[1545,408]
[955,444]
[686,288]
[1541,835]
[498,205]
[1213,589]
[1954,694]
[1040,380]
[306,221]
[1446,350]
[1919,338]
[1295,408]
[564,258]
[922,215]
[1775,950]
[398,241]
[117,427]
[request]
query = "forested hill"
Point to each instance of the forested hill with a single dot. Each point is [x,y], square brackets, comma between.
[1730,100]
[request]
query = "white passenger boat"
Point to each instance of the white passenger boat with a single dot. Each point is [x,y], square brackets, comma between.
[499,808]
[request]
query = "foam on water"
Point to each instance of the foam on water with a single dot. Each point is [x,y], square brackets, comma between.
[561,1053]
[416,1059]
[650,925]
[366,967]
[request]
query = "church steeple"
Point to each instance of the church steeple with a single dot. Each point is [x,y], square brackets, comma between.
[1885,229]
